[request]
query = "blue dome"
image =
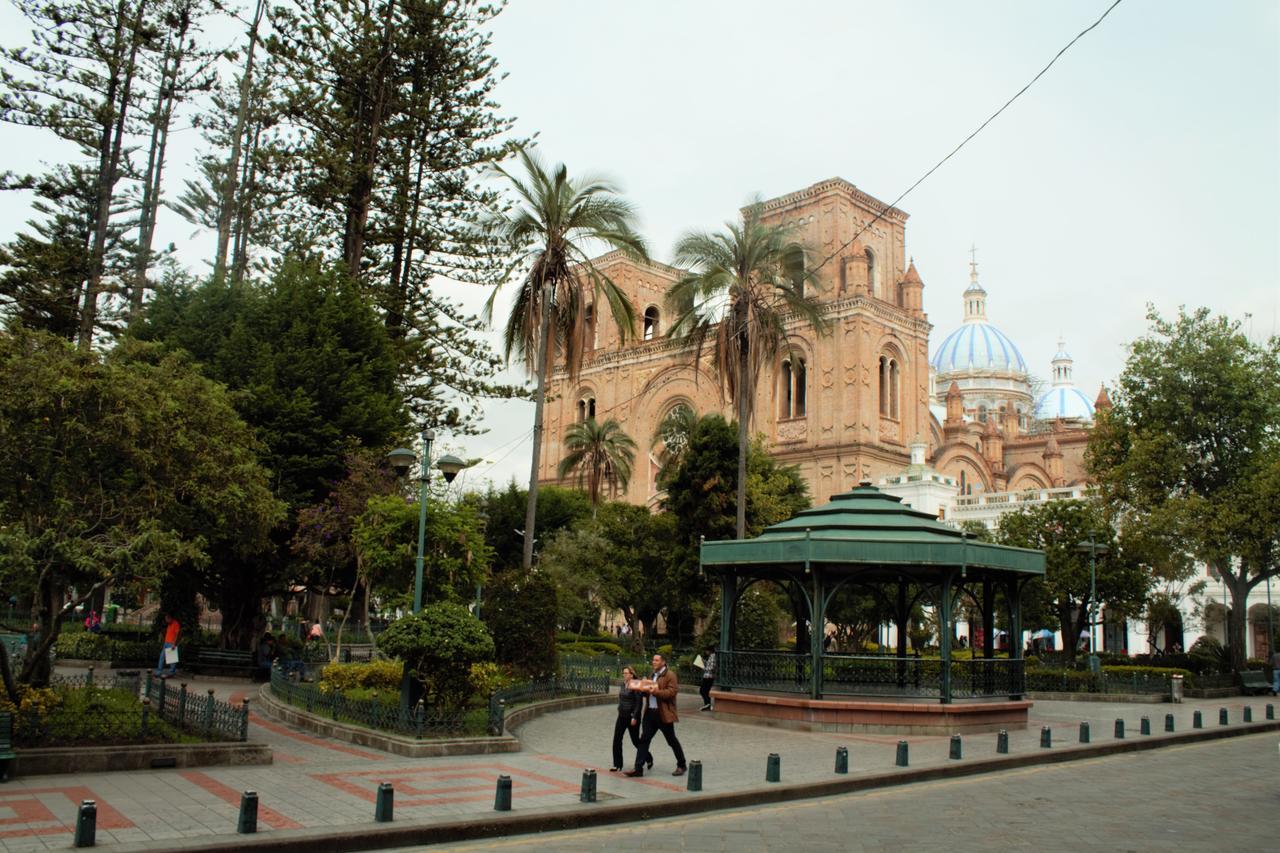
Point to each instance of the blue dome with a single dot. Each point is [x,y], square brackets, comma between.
[1066,402]
[977,346]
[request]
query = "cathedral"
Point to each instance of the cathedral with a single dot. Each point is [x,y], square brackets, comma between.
[964,432]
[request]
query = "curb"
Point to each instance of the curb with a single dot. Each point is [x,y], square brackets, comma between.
[374,836]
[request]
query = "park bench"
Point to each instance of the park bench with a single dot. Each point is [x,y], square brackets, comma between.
[234,661]
[1253,682]
[6,744]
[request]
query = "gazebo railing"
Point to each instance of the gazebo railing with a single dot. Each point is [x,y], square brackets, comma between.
[869,675]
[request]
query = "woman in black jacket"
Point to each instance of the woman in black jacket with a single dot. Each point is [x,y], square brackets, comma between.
[630,712]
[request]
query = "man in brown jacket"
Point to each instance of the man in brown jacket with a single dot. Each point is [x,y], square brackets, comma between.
[660,716]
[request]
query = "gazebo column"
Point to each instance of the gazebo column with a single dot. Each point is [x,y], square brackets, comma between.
[900,617]
[944,629]
[1013,591]
[728,590]
[988,619]
[817,632]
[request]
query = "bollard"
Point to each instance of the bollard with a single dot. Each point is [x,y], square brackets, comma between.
[1002,742]
[1248,713]
[1168,722]
[956,748]
[1222,716]
[1197,720]
[1119,729]
[88,681]
[902,753]
[384,807]
[842,759]
[87,824]
[502,799]
[695,776]
[773,769]
[1144,726]
[1046,737]
[1271,711]
[587,793]
[1084,732]
[248,822]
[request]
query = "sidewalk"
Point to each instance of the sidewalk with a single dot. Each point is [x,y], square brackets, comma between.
[321,784]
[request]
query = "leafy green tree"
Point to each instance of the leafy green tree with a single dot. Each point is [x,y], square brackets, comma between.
[757,622]
[114,468]
[599,454]
[1190,446]
[520,610]
[550,229]
[1057,528]
[438,647]
[757,273]
[505,509]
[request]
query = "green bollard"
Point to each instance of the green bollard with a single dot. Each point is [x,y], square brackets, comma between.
[695,776]
[248,822]
[1046,737]
[1222,716]
[1084,732]
[902,753]
[773,770]
[1271,711]
[956,749]
[1168,722]
[1197,720]
[842,759]
[1248,713]
[1002,742]
[502,799]
[87,824]
[1119,729]
[384,807]
[587,793]
[1144,726]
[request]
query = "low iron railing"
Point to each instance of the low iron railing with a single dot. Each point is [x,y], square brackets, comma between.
[196,713]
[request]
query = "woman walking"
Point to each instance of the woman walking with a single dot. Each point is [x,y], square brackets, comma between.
[630,711]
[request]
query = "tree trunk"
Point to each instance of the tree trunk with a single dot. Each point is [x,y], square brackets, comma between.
[743,439]
[539,401]
[231,179]
[1237,616]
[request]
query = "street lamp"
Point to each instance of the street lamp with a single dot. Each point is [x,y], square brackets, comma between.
[1094,549]
[402,460]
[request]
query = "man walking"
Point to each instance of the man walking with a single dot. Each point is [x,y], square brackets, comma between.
[708,677]
[660,717]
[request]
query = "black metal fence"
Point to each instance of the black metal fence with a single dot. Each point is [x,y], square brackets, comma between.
[196,713]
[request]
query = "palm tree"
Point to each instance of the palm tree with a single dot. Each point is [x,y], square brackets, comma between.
[599,452]
[550,228]
[745,285]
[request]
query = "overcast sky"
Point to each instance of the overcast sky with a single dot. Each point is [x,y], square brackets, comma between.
[1143,168]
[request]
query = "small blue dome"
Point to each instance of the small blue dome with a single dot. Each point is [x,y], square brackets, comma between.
[1066,402]
[977,346]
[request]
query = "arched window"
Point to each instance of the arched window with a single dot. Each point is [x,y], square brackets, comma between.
[890,381]
[982,412]
[651,322]
[591,337]
[873,273]
[586,408]
[964,483]
[791,390]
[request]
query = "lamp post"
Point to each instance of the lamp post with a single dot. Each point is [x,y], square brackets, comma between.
[1093,548]
[402,459]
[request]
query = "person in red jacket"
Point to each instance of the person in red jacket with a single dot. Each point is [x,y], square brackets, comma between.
[171,631]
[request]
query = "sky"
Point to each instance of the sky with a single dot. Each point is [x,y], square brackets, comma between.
[1143,168]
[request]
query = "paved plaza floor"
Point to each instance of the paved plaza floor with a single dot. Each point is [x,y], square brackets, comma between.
[317,782]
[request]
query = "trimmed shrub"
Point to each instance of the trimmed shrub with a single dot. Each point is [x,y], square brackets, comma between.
[347,677]
[520,611]
[438,646]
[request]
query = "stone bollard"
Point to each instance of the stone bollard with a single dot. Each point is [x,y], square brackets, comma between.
[384,807]
[1046,737]
[842,759]
[1144,726]
[1168,722]
[1119,729]
[587,793]
[1084,732]
[247,824]
[87,824]
[1002,742]
[695,776]
[956,749]
[1222,716]
[1248,713]
[773,769]
[502,798]
[1197,720]
[902,753]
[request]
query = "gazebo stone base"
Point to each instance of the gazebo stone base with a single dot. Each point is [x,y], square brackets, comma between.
[884,716]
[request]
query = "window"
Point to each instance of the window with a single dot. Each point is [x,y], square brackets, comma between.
[591,337]
[873,273]
[982,413]
[586,408]
[651,323]
[964,483]
[889,386]
[791,390]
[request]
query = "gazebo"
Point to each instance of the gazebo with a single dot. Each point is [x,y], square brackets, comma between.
[869,540]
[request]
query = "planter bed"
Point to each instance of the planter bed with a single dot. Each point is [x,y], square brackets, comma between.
[41,761]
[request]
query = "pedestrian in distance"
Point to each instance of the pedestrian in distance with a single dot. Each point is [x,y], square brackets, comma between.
[630,712]
[708,676]
[169,651]
[1275,673]
[659,716]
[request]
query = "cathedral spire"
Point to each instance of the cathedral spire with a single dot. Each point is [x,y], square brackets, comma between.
[975,298]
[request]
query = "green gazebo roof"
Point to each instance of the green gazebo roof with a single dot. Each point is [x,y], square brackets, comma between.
[868,529]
